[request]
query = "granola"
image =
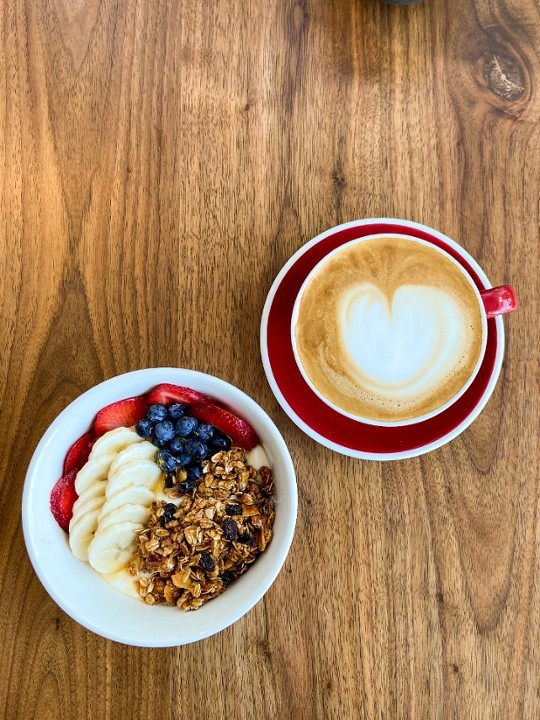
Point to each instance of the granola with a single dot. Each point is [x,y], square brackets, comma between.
[195,545]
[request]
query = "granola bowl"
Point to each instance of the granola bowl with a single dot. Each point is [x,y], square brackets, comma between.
[99,605]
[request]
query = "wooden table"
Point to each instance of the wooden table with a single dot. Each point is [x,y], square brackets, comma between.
[160,161]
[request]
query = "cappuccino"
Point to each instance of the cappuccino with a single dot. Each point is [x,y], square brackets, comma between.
[388,329]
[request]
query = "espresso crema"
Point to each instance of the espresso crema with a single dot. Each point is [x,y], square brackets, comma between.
[388,329]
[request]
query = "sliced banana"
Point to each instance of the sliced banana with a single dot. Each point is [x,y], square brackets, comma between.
[139,451]
[114,441]
[97,489]
[137,495]
[122,580]
[80,509]
[95,470]
[81,534]
[115,488]
[112,549]
[135,473]
[125,513]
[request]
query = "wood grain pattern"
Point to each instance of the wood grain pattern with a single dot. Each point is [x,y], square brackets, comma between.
[159,162]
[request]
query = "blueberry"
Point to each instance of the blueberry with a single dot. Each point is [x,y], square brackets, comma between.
[168,513]
[198,449]
[176,411]
[245,539]
[156,412]
[166,461]
[206,562]
[144,428]
[230,529]
[205,431]
[186,425]
[233,509]
[202,453]
[184,458]
[176,446]
[227,576]
[194,472]
[164,431]
[220,442]
[187,486]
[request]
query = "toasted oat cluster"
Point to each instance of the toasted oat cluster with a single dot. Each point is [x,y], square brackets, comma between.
[194,548]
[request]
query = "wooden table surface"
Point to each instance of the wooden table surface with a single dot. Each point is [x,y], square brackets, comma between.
[159,163]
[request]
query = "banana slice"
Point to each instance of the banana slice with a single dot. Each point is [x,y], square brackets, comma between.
[115,488]
[125,513]
[139,451]
[81,534]
[113,548]
[135,473]
[114,441]
[94,471]
[95,490]
[136,495]
[80,509]
[122,580]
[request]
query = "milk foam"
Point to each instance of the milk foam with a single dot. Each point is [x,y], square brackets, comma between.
[388,329]
[404,349]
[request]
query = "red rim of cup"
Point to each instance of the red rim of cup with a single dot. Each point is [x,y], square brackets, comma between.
[321,422]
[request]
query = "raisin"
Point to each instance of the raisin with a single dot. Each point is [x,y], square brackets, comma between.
[233,510]
[169,480]
[187,486]
[230,529]
[206,562]
[227,576]
[168,514]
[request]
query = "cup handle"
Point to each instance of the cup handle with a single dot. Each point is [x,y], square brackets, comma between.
[499,300]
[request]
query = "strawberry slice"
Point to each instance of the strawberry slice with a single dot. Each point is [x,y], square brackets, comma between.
[79,452]
[123,413]
[240,431]
[63,495]
[166,393]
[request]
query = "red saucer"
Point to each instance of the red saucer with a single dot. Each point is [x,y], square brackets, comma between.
[310,413]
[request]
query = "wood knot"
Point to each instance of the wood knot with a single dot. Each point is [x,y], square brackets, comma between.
[301,14]
[503,76]
[264,649]
[338,180]
[455,669]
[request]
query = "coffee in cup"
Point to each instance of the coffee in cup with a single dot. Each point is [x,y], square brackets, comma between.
[389,329]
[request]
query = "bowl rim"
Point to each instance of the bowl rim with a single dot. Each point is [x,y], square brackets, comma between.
[150,377]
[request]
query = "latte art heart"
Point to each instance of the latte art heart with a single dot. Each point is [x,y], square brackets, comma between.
[388,329]
[401,348]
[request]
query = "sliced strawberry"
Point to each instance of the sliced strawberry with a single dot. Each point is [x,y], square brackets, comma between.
[166,393]
[123,413]
[63,496]
[79,452]
[240,431]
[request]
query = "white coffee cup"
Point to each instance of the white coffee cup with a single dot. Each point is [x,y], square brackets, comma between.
[396,360]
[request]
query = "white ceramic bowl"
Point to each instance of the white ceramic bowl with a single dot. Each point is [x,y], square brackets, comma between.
[81,592]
